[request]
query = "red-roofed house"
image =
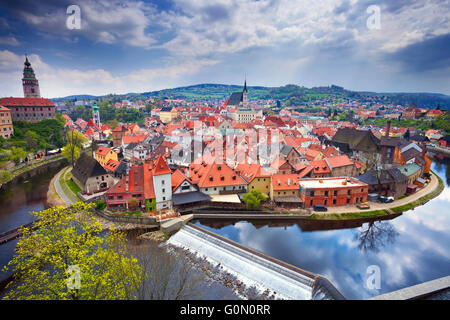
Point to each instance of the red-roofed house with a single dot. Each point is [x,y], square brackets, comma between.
[150,184]
[29,109]
[342,166]
[103,155]
[216,178]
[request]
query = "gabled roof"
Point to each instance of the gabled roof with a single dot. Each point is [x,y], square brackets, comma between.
[161,167]
[178,178]
[251,171]
[86,167]
[235,99]
[214,175]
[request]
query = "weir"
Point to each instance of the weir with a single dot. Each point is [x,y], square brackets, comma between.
[253,267]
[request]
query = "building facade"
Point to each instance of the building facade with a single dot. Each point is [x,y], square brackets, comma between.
[6,126]
[332,192]
[29,109]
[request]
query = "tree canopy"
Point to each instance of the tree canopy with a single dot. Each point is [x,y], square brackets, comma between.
[253,199]
[67,258]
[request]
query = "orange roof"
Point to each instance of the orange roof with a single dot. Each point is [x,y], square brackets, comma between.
[277,163]
[178,178]
[103,151]
[161,167]
[251,171]
[320,166]
[136,139]
[285,181]
[215,174]
[339,161]
[111,165]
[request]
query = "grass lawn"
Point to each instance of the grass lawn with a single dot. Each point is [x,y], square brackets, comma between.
[349,215]
[69,189]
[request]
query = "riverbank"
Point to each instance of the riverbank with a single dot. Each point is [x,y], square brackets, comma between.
[430,191]
[27,168]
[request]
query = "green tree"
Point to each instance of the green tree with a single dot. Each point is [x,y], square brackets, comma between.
[17,154]
[253,199]
[31,138]
[68,239]
[76,138]
[71,152]
[5,176]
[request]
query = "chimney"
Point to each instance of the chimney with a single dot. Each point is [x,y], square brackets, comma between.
[289,181]
[388,128]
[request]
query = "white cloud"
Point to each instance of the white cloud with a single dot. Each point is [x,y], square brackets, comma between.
[59,82]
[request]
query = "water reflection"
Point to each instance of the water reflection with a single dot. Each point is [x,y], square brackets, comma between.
[375,235]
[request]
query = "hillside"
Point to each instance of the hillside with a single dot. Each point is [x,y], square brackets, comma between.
[289,95]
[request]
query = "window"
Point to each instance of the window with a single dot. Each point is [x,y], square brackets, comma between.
[162,182]
[119,197]
[335,193]
[110,197]
[163,190]
[326,193]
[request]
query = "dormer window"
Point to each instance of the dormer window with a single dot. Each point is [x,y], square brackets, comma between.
[211,179]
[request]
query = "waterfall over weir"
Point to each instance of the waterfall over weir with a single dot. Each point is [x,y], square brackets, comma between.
[253,267]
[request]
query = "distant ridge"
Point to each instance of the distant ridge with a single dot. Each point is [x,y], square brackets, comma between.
[290,94]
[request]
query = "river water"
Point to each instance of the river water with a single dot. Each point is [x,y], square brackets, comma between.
[410,249]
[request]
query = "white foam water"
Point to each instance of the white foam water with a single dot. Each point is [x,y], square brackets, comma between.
[251,269]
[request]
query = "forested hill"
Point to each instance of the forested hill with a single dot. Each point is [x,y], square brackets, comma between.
[294,95]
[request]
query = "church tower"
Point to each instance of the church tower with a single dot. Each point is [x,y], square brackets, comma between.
[244,95]
[29,82]
[96,114]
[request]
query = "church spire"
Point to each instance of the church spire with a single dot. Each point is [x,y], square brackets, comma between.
[245,84]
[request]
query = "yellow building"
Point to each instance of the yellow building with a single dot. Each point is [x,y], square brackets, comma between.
[256,176]
[167,114]
[103,155]
[6,125]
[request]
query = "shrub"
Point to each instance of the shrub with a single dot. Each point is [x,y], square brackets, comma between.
[100,205]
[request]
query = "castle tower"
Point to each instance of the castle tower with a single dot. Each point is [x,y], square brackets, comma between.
[29,82]
[96,115]
[244,95]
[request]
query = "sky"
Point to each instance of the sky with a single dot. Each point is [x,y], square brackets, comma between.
[140,46]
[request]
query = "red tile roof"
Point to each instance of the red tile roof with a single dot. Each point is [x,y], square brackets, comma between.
[161,167]
[339,161]
[285,181]
[213,175]
[26,102]
[111,165]
[320,167]
[103,151]
[251,171]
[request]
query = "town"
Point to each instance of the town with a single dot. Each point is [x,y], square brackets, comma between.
[236,153]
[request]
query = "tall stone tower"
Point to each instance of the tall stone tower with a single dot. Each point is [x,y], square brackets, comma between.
[96,114]
[29,82]
[244,95]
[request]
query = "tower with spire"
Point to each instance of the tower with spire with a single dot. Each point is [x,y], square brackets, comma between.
[29,81]
[96,114]
[244,95]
